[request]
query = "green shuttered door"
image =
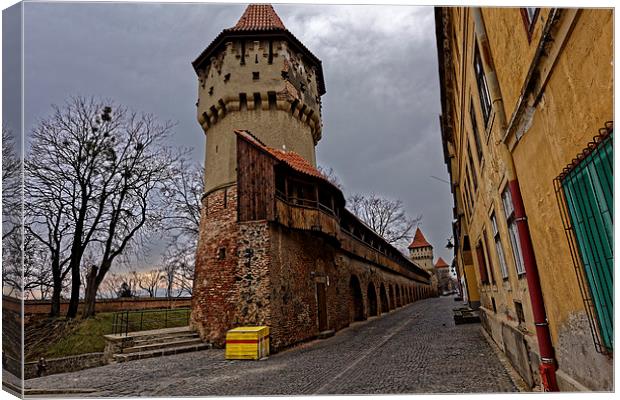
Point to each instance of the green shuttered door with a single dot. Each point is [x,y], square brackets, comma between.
[588,190]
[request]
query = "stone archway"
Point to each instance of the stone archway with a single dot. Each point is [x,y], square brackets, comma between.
[392,297]
[385,306]
[398,300]
[356,300]
[372,300]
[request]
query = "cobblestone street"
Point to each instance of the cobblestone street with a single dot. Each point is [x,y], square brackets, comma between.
[415,349]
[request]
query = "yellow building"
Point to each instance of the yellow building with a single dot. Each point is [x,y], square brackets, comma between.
[527,109]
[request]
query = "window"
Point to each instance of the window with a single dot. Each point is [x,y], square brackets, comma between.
[498,247]
[512,230]
[474,127]
[585,193]
[469,191]
[519,312]
[487,258]
[255,75]
[472,169]
[482,267]
[483,88]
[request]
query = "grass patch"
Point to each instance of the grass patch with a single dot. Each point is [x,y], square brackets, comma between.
[86,336]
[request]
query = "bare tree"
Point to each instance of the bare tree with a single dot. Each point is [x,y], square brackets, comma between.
[134,205]
[149,281]
[25,269]
[12,283]
[331,176]
[183,196]
[386,217]
[92,169]
[11,183]
[109,286]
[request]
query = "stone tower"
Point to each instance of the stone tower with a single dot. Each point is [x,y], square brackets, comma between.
[421,252]
[259,77]
[255,76]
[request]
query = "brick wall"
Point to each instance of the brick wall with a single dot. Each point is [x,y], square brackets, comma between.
[264,273]
[42,307]
[215,295]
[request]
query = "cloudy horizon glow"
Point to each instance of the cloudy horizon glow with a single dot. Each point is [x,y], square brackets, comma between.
[380,113]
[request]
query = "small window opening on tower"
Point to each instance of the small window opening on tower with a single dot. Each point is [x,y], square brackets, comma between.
[216,148]
[214,113]
[221,253]
[284,74]
[242,62]
[255,75]
[227,77]
[257,101]
[256,59]
[302,87]
[494,306]
[270,58]
[243,102]
[211,91]
[271,97]
[294,106]
[222,106]
[206,118]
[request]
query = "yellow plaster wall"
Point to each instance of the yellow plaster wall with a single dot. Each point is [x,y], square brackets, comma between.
[582,80]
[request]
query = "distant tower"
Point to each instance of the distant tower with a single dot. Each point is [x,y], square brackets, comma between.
[255,76]
[421,252]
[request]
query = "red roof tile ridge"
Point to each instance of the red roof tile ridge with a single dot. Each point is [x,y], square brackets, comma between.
[291,158]
[419,240]
[257,17]
[441,263]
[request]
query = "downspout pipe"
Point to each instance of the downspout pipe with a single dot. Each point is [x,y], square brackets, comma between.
[548,363]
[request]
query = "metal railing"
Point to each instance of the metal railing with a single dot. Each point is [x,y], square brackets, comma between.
[127,321]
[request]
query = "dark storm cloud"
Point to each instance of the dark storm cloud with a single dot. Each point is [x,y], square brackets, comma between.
[381,131]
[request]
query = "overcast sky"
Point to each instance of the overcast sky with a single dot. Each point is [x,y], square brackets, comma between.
[380,114]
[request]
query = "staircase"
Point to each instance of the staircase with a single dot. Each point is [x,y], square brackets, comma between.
[160,342]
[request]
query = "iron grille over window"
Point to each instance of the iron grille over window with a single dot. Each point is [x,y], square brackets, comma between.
[584,191]
[483,89]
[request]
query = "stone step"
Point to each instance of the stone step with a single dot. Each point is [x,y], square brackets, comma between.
[154,346]
[161,352]
[154,334]
[166,338]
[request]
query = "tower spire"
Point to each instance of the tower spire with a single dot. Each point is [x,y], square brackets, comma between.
[259,17]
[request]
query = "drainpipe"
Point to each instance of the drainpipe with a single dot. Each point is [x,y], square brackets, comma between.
[548,363]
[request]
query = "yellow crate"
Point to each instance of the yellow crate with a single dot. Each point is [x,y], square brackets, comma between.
[247,343]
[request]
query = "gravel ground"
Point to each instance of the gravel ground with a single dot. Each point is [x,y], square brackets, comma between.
[415,349]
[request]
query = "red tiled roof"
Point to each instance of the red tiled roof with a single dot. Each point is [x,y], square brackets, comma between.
[419,240]
[290,158]
[441,263]
[258,17]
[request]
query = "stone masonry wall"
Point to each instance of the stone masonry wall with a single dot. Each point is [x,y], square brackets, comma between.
[252,275]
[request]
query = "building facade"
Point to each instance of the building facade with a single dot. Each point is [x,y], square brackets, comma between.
[277,246]
[527,110]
